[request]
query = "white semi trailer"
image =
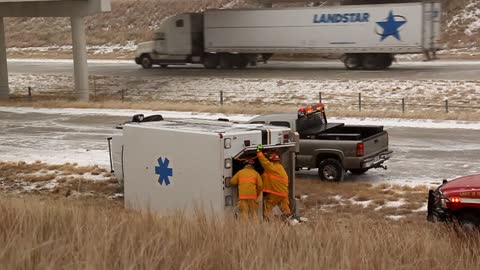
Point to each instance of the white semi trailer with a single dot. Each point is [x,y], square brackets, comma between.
[367,36]
[183,164]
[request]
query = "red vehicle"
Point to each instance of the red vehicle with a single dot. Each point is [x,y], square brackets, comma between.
[458,199]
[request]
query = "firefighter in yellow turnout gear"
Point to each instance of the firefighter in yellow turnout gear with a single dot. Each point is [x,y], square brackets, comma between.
[275,181]
[250,186]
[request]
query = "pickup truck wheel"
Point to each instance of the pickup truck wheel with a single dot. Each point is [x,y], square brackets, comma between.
[358,171]
[331,169]
[146,62]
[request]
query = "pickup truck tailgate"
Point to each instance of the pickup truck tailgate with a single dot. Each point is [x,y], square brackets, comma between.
[376,144]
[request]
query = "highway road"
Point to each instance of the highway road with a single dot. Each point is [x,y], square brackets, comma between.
[436,70]
[421,155]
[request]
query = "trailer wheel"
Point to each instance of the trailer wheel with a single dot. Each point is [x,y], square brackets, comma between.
[352,61]
[210,61]
[372,61]
[330,169]
[241,61]
[358,171]
[226,61]
[387,61]
[146,61]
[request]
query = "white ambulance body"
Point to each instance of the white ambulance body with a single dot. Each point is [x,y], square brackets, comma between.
[187,164]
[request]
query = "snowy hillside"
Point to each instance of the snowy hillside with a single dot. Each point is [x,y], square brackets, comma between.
[134,21]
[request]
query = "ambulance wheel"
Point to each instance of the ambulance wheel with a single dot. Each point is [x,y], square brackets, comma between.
[146,61]
[352,61]
[226,61]
[330,169]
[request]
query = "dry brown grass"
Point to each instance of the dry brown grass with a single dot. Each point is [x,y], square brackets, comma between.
[45,234]
[323,195]
[15,176]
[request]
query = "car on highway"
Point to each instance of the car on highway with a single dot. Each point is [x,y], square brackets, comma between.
[456,200]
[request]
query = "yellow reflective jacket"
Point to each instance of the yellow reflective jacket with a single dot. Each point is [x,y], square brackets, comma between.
[249,183]
[275,178]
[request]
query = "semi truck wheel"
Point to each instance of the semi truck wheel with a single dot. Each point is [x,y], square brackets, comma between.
[226,61]
[330,169]
[146,61]
[371,61]
[241,61]
[358,171]
[210,61]
[352,61]
[386,61]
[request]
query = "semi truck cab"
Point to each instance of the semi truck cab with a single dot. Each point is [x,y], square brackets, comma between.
[179,40]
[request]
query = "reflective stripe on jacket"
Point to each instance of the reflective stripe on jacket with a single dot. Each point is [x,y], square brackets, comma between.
[275,178]
[249,182]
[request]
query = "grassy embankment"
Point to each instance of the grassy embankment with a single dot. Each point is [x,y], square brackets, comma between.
[39,233]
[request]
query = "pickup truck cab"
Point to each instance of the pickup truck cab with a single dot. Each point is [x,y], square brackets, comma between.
[458,199]
[333,148]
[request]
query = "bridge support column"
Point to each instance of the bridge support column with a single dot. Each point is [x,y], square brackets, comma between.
[4,89]
[80,66]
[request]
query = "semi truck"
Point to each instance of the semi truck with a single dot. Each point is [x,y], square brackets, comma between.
[333,148]
[365,36]
[187,164]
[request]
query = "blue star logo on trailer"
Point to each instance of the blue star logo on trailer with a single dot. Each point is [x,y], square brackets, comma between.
[163,171]
[391,26]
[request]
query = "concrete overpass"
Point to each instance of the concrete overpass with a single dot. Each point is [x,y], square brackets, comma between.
[76,10]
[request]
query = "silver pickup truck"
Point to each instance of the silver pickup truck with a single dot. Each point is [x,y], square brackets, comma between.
[333,148]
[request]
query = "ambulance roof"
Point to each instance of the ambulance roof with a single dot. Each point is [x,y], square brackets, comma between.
[206,126]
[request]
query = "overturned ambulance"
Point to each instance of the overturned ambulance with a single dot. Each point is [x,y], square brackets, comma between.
[187,164]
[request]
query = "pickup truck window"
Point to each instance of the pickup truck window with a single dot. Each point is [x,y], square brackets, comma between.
[280,123]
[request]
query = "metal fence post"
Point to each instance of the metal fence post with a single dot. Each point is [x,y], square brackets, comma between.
[359,102]
[446,105]
[320,97]
[30,93]
[221,97]
[403,105]
[94,87]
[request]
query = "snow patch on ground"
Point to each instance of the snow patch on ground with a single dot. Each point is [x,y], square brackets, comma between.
[392,204]
[470,17]
[395,217]
[129,46]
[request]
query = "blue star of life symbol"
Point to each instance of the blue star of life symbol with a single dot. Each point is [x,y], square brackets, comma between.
[163,171]
[391,26]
